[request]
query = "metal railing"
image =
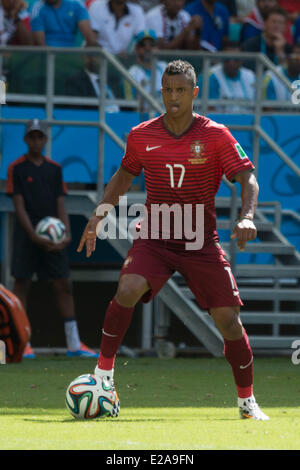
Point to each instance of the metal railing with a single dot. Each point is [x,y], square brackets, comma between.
[49,100]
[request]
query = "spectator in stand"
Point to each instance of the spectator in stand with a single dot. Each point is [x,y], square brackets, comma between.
[144,43]
[230,80]
[244,8]
[36,187]
[56,23]
[274,89]
[215,18]
[231,6]
[146,4]
[271,41]
[254,23]
[297,31]
[116,22]
[174,27]
[88,3]
[14,23]
[86,82]
[292,7]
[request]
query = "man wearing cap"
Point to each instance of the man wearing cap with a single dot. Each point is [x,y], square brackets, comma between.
[37,189]
[143,44]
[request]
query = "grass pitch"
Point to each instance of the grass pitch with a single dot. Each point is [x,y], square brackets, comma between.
[178,404]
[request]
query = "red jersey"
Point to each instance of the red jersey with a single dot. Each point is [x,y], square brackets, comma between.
[186,169]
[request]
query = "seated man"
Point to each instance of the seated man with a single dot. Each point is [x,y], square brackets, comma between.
[174,27]
[274,89]
[253,24]
[115,23]
[272,41]
[230,80]
[86,82]
[215,18]
[14,23]
[57,22]
[144,43]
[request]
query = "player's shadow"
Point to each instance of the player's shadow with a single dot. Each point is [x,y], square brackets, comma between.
[127,420]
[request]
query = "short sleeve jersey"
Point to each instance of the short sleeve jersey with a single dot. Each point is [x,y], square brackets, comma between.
[187,169]
[40,186]
[60,25]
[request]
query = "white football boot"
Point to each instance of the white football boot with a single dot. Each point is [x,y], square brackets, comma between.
[248,408]
[108,375]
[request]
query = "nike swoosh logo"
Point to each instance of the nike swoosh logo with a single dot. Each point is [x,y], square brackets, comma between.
[148,149]
[107,334]
[247,365]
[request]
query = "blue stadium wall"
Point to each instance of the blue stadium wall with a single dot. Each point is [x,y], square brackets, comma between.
[75,148]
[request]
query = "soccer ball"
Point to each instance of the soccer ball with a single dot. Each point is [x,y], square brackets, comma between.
[51,228]
[90,396]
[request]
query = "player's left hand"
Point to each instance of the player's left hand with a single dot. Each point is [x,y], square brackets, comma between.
[244,231]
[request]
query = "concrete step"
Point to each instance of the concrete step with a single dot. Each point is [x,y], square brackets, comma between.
[267,270]
[224,224]
[270,342]
[248,293]
[264,247]
[269,318]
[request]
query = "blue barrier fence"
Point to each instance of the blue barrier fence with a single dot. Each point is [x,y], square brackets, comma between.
[75,148]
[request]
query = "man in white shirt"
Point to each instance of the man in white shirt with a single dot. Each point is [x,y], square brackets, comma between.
[230,80]
[174,27]
[86,83]
[274,88]
[14,23]
[116,22]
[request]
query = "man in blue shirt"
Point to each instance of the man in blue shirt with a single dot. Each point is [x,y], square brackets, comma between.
[56,23]
[230,80]
[215,28]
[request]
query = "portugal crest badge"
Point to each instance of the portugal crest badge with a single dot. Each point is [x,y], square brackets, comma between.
[198,152]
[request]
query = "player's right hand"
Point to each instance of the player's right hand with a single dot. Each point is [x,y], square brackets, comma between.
[89,236]
[43,242]
[244,231]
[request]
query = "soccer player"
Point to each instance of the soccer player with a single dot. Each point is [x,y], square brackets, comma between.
[184,156]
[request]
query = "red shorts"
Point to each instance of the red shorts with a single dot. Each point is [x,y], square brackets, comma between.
[206,272]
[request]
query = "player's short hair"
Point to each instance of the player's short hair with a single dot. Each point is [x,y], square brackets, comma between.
[181,67]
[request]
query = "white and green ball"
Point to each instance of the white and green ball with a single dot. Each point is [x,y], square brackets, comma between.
[52,229]
[90,396]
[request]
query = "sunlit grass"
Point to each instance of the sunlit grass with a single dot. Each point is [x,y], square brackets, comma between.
[176,404]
